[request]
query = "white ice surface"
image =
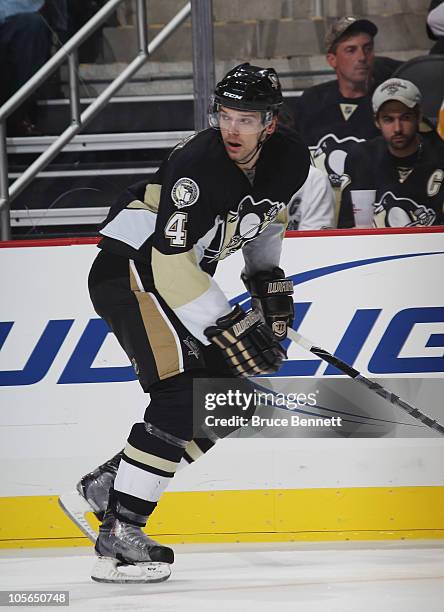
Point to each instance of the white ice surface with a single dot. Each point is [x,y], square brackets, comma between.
[339,577]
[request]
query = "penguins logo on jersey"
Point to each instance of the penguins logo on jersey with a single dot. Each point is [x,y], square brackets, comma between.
[244,224]
[185,192]
[391,211]
[329,155]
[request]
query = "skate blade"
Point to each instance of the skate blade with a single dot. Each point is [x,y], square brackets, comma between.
[111,570]
[75,507]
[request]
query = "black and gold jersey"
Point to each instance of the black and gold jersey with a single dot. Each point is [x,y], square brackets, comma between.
[330,125]
[200,208]
[409,190]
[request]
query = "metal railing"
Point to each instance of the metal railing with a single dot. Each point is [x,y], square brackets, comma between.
[78,119]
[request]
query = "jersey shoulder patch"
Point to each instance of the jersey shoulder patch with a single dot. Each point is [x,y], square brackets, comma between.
[185,192]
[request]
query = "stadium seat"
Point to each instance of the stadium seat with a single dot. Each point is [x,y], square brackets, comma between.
[427,73]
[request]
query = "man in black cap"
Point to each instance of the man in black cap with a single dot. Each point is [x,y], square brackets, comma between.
[333,116]
[349,45]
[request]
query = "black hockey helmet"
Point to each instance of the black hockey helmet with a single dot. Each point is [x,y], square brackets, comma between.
[249,88]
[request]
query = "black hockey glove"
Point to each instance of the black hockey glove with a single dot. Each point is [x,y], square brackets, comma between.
[272,294]
[247,343]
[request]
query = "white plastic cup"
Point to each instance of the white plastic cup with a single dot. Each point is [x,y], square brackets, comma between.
[363,206]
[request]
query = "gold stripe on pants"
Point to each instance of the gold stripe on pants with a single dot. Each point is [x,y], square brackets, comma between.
[160,336]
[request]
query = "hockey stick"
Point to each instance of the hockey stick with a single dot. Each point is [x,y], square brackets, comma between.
[294,336]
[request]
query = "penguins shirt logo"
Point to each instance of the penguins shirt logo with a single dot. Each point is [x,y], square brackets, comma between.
[330,153]
[391,211]
[347,110]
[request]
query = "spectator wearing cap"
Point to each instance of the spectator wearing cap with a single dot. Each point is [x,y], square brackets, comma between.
[402,170]
[333,116]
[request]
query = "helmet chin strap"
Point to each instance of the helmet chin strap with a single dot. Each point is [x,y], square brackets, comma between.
[256,149]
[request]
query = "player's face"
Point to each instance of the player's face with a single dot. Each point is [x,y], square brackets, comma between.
[353,59]
[241,131]
[399,127]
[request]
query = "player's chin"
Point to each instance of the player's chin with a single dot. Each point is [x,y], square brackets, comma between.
[233,154]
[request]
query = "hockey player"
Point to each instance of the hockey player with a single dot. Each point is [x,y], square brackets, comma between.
[227,188]
[404,167]
[333,116]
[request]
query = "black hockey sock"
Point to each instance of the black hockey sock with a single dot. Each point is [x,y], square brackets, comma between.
[129,509]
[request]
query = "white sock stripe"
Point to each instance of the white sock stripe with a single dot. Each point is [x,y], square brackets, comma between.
[138,483]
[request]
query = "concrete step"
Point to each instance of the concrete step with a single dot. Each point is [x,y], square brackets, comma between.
[137,113]
[176,78]
[161,11]
[274,37]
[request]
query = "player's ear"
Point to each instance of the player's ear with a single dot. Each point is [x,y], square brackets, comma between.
[270,129]
[378,125]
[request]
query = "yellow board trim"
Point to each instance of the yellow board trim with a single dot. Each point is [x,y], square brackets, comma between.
[274,515]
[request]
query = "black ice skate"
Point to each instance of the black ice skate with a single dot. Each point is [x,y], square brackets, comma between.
[126,553]
[91,495]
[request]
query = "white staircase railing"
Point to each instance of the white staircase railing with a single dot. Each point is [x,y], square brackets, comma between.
[78,119]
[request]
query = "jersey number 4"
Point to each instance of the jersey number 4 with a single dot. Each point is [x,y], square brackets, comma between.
[175,229]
